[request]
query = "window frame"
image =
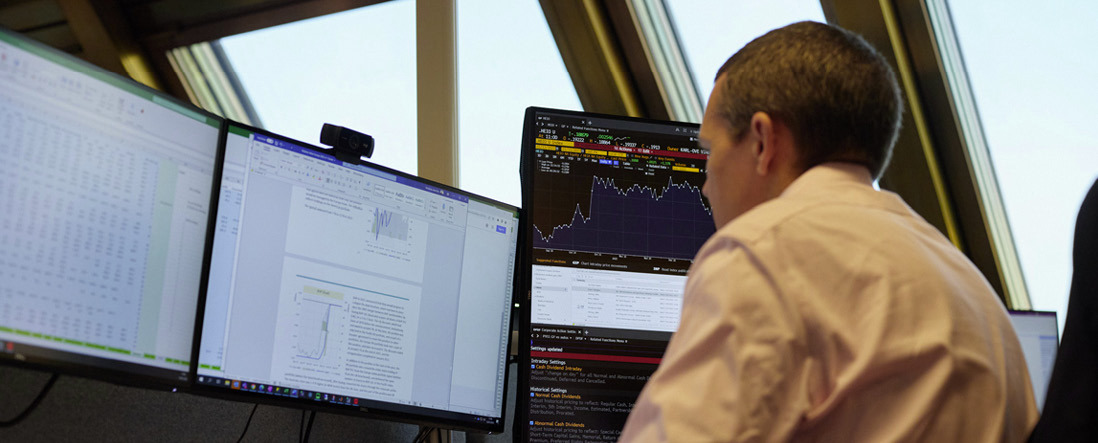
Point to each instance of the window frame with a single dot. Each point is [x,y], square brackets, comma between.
[946,174]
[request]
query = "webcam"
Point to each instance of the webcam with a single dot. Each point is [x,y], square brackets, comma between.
[347,144]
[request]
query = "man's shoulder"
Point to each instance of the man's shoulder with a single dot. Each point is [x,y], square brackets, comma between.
[800,216]
[825,194]
[768,217]
[856,221]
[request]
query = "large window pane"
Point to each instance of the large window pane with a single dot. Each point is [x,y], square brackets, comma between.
[1032,77]
[710,32]
[507,60]
[355,69]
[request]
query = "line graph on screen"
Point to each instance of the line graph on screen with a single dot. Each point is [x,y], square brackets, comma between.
[668,221]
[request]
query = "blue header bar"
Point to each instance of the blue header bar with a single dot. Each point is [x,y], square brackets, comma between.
[433,189]
[371,171]
[312,153]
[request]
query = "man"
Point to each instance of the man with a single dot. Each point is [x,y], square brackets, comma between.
[822,309]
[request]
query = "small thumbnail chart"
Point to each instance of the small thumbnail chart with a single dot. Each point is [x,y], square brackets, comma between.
[341,330]
[390,224]
[314,320]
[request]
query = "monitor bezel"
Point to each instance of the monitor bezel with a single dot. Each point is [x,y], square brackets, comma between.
[526,171]
[1035,313]
[423,419]
[81,365]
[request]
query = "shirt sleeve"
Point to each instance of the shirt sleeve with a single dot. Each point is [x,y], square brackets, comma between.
[730,371]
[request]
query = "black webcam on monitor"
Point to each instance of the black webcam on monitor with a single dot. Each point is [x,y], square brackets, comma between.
[348,145]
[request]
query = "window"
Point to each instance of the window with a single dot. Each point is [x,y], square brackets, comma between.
[710,32]
[358,69]
[355,69]
[507,61]
[1033,84]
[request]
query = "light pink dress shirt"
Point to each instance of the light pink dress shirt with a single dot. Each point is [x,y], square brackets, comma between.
[835,313]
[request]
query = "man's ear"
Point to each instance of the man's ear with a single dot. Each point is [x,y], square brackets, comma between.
[765,138]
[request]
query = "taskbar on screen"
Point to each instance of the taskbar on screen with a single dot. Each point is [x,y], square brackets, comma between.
[348,403]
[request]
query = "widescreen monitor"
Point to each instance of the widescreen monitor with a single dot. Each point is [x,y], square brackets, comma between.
[614,218]
[104,193]
[1038,333]
[354,288]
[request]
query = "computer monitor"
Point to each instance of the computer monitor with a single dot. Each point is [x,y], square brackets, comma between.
[615,216]
[104,193]
[1038,334]
[355,288]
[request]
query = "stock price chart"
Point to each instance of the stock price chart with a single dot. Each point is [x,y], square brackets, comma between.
[604,196]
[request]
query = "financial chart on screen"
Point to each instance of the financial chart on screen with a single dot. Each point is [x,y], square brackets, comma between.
[104,197]
[616,215]
[355,288]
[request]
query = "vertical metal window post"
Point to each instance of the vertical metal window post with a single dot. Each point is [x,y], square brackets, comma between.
[436,89]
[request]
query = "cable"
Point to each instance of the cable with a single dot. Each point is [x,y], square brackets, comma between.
[247,423]
[309,427]
[424,434]
[301,428]
[33,404]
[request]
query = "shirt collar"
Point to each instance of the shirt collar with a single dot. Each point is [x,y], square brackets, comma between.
[829,175]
